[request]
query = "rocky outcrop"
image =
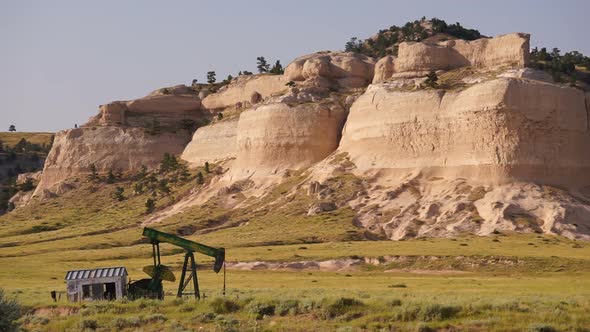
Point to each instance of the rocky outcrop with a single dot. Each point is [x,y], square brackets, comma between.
[346,69]
[384,69]
[418,58]
[109,148]
[212,143]
[494,132]
[32,176]
[245,90]
[169,108]
[276,137]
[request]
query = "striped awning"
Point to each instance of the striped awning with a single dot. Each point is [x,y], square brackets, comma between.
[106,272]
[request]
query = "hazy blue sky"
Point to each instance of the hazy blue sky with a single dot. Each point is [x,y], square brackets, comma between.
[59,60]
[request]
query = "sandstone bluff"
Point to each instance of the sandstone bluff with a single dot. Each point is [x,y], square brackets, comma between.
[497,146]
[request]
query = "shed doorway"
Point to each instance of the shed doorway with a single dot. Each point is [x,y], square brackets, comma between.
[110,291]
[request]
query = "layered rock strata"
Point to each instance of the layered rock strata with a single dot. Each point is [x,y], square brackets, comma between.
[346,69]
[416,58]
[245,91]
[212,143]
[493,132]
[276,137]
[108,148]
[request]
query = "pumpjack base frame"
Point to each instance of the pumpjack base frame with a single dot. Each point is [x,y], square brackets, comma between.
[192,270]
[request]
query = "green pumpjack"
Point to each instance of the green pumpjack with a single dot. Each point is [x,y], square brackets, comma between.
[152,288]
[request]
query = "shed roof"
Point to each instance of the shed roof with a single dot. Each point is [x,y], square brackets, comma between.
[106,272]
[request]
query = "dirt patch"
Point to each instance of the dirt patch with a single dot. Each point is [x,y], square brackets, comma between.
[348,264]
[430,272]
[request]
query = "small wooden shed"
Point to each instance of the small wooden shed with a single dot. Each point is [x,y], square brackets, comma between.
[98,284]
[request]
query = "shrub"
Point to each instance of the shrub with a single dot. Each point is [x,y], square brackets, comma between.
[438,312]
[150,205]
[259,310]
[88,324]
[119,194]
[341,306]
[155,318]
[224,306]
[541,328]
[397,286]
[287,307]
[10,311]
[394,303]
[200,178]
[431,79]
[123,323]
[207,317]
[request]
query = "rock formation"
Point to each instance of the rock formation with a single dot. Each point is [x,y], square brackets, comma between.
[417,59]
[276,137]
[171,108]
[212,143]
[241,90]
[495,146]
[109,148]
[494,132]
[349,70]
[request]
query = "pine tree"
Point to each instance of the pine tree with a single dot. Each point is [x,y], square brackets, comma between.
[200,178]
[207,167]
[27,185]
[262,65]
[111,177]
[277,69]
[11,128]
[211,77]
[150,205]
[431,79]
[119,194]
[93,173]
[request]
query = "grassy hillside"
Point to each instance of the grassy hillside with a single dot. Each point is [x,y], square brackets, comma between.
[506,282]
[11,138]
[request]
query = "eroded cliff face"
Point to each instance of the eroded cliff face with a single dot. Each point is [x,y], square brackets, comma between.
[109,148]
[170,108]
[124,136]
[245,91]
[417,59]
[494,132]
[212,143]
[494,147]
[276,137]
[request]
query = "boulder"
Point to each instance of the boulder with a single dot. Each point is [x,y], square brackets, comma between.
[346,69]
[242,88]
[23,177]
[384,69]
[318,208]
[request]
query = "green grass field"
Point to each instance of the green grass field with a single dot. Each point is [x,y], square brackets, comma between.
[505,282]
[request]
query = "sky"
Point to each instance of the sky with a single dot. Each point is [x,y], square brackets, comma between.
[60,60]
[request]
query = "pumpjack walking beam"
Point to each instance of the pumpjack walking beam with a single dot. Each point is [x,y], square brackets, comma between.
[190,247]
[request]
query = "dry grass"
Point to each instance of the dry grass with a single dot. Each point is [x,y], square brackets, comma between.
[11,138]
